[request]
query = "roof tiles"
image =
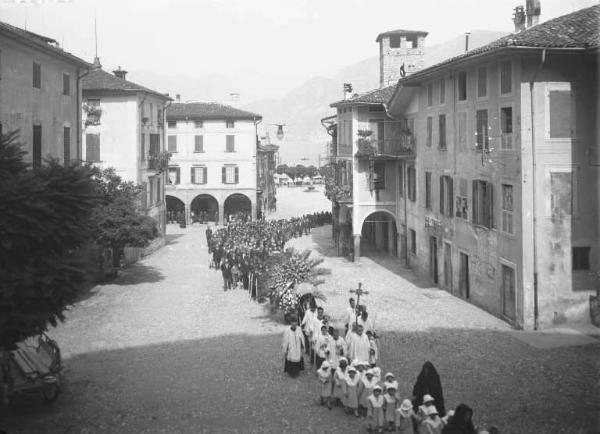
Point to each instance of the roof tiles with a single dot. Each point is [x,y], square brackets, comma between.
[208,110]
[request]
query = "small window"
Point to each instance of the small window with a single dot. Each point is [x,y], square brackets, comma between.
[198,175]
[172,124]
[230,143]
[581,258]
[66,84]
[462,201]
[92,148]
[395,41]
[507,209]
[230,124]
[462,86]
[411,174]
[506,127]
[37,75]
[199,124]
[172,144]
[481,82]
[429,131]
[505,77]
[483,140]
[442,91]
[198,143]
[430,94]
[560,114]
[428,190]
[483,203]
[442,132]
[413,241]
[230,174]
[447,196]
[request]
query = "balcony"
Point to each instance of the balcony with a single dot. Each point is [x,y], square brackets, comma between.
[388,149]
[343,150]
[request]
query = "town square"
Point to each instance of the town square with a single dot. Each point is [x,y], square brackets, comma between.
[410,244]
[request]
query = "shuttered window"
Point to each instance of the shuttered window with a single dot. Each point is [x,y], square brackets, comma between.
[198,143]
[462,86]
[446,196]
[37,75]
[92,148]
[411,174]
[505,77]
[442,91]
[37,146]
[506,128]
[231,175]
[560,114]
[482,130]
[143,147]
[481,82]
[430,94]
[507,209]
[66,84]
[462,130]
[442,132]
[174,175]
[154,144]
[483,203]
[429,131]
[428,190]
[230,143]
[198,175]
[67,145]
[172,143]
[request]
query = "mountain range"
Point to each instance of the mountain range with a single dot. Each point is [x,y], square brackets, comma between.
[301,108]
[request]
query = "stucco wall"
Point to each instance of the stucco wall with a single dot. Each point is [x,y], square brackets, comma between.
[22,105]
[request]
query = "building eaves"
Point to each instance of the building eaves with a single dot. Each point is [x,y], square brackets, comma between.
[372,97]
[42,43]
[99,80]
[208,110]
[401,32]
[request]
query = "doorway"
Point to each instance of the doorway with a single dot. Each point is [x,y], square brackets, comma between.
[508,292]
[433,260]
[448,267]
[463,278]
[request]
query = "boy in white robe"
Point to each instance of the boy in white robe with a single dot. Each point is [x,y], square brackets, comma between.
[359,346]
[309,314]
[293,347]
[322,346]
[337,348]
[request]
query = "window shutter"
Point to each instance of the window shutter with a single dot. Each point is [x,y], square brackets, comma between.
[490,188]
[224,174]
[172,144]
[92,145]
[237,175]
[441,195]
[198,143]
[560,113]
[475,201]
[204,178]
[450,196]
[371,179]
[178,179]
[193,174]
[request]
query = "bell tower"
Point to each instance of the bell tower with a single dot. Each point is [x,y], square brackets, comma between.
[401,52]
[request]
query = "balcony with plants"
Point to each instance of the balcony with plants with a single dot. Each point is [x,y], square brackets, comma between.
[401,146]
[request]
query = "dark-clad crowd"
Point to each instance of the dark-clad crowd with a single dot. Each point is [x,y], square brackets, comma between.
[348,376]
[241,249]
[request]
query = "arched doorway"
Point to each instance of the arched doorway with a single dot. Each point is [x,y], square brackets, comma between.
[379,234]
[237,203]
[175,209]
[204,207]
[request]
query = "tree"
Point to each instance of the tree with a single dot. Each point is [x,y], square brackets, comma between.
[116,222]
[44,217]
[311,171]
[282,168]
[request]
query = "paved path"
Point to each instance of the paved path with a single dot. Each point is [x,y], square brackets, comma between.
[164,349]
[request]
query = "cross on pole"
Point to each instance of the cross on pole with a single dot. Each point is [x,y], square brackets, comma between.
[358,291]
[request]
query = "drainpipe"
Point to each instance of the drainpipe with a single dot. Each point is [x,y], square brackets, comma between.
[79,128]
[256,122]
[533,180]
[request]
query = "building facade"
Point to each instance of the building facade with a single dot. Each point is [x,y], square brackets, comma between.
[212,170]
[502,200]
[40,95]
[124,128]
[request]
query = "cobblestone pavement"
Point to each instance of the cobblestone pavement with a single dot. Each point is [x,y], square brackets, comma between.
[164,349]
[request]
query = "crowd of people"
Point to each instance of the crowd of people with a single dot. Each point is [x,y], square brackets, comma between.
[348,376]
[241,249]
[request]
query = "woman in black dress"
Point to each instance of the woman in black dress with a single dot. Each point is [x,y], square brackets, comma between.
[428,382]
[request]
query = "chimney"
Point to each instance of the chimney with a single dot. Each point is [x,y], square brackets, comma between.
[235,99]
[177,98]
[519,19]
[467,41]
[533,9]
[347,90]
[121,73]
[97,64]
[401,52]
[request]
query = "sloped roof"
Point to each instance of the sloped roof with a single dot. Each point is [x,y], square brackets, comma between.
[208,110]
[377,96]
[577,30]
[41,42]
[401,32]
[100,80]
[268,148]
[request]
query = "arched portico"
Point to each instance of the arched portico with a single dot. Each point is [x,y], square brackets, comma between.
[204,203]
[237,203]
[378,234]
[175,209]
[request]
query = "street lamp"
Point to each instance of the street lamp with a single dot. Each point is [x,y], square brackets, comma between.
[280,134]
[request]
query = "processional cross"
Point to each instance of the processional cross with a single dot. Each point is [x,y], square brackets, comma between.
[358,291]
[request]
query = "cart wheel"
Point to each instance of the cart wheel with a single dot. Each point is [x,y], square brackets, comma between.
[50,392]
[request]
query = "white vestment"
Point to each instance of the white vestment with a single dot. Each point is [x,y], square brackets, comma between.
[358,347]
[293,344]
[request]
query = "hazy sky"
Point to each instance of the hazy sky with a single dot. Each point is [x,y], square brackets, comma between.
[283,41]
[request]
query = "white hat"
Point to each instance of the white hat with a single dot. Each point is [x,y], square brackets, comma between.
[389,374]
[344,359]
[391,385]
[377,387]
[351,369]
[325,365]
[369,372]
[406,405]
[428,398]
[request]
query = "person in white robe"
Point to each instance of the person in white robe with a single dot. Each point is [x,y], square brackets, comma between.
[358,345]
[293,347]
[337,349]
[306,324]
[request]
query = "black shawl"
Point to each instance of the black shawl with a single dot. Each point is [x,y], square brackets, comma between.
[428,382]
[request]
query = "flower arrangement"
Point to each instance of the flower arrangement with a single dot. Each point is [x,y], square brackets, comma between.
[93,112]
